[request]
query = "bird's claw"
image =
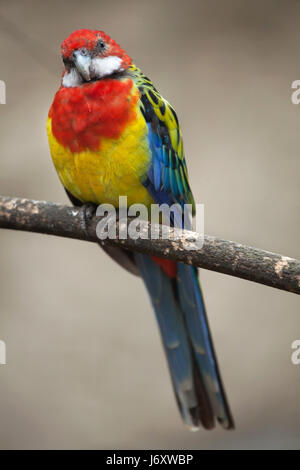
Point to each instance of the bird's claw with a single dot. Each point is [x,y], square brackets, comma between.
[86,213]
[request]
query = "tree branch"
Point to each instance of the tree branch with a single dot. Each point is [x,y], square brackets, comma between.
[219,255]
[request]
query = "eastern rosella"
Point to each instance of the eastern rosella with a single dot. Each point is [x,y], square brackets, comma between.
[112,134]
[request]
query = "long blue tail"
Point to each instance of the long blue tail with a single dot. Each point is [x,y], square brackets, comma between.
[181,316]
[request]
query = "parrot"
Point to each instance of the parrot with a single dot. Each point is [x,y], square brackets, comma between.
[112,134]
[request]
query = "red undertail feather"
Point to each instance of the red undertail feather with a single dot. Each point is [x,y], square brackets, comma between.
[169,267]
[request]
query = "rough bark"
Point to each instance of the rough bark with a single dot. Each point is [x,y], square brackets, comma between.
[219,255]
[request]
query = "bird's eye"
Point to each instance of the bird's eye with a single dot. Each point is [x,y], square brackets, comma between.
[83,51]
[100,45]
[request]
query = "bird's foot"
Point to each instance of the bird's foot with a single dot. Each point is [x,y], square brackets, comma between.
[86,213]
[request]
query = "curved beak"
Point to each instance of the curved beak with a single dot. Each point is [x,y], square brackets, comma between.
[82,63]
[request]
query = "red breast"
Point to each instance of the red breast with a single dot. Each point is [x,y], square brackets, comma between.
[82,115]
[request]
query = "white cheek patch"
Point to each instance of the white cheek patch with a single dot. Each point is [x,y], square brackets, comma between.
[101,67]
[72,79]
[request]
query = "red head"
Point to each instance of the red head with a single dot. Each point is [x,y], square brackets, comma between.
[91,55]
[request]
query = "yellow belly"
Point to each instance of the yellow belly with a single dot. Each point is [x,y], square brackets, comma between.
[117,169]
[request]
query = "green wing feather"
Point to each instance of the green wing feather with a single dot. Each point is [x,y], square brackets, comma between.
[169,172]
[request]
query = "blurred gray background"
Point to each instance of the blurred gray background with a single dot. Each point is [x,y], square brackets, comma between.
[85,365]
